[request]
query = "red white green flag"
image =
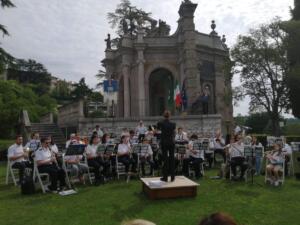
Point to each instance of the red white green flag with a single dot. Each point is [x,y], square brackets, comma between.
[177,96]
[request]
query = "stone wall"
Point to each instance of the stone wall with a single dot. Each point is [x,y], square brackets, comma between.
[69,115]
[47,118]
[192,124]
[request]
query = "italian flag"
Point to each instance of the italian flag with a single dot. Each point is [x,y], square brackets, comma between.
[177,96]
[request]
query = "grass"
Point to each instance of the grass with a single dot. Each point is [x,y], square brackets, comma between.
[117,201]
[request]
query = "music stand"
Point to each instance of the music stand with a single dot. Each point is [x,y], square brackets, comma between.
[250,154]
[75,150]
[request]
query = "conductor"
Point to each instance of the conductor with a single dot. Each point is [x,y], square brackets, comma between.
[167,142]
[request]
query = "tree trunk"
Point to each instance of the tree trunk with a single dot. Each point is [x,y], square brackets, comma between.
[275,124]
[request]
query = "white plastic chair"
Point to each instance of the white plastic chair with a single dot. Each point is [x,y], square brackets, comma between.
[37,175]
[11,173]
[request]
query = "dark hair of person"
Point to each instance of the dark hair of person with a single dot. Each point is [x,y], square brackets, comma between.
[92,139]
[18,136]
[52,140]
[103,139]
[167,114]
[236,137]
[44,139]
[218,219]
[123,138]
[131,132]
[95,133]
[32,135]
[194,137]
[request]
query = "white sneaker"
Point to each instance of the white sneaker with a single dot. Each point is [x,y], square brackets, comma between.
[276,183]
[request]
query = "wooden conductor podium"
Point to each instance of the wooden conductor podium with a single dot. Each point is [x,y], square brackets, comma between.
[182,187]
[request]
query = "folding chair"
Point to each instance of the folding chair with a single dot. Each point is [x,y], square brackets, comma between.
[281,179]
[37,175]
[120,169]
[91,175]
[11,173]
[142,150]
[197,146]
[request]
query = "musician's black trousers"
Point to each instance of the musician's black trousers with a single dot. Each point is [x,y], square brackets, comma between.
[55,174]
[168,160]
[21,166]
[127,161]
[238,161]
[143,161]
[195,162]
[97,163]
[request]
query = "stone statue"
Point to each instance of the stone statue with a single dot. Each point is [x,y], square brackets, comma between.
[124,26]
[108,42]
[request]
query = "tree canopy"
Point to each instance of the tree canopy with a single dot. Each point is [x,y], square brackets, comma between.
[292,27]
[15,97]
[5,4]
[127,18]
[260,60]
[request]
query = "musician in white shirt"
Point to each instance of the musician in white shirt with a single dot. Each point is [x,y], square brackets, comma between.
[95,160]
[72,141]
[34,143]
[17,157]
[124,155]
[236,152]
[47,163]
[181,136]
[146,156]
[276,159]
[219,144]
[195,158]
[141,130]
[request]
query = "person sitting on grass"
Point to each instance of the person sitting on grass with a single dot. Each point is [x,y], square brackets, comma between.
[124,155]
[218,219]
[276,159]
[17,157]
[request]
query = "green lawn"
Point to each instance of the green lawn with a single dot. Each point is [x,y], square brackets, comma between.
[117,201]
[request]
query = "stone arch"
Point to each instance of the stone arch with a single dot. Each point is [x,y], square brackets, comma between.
[172,69]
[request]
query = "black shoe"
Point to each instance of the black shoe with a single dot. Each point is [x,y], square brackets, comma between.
[164,179]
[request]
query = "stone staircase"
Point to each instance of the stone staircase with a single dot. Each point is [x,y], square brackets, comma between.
[50,129]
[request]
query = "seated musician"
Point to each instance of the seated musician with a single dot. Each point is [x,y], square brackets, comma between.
[219,144]
[276,159]
[124,155]
[17,156]
[34,142]
[236,153]
[72,141]
[147,157]
[141,131]
[105,139]
[133,139]
[195,158]
[46,163]
[77,168]
[181,136]
[95,160]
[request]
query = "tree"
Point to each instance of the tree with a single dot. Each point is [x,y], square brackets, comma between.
[15,97]
[128,18]
[260,60]
[293,29]
[5,4]
[81,90]
[258,122]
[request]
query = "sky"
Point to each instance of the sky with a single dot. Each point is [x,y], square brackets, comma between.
[67,36]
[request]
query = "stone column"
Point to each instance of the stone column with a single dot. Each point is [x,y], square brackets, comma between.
[140,47]
[126,72]
[187,35]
